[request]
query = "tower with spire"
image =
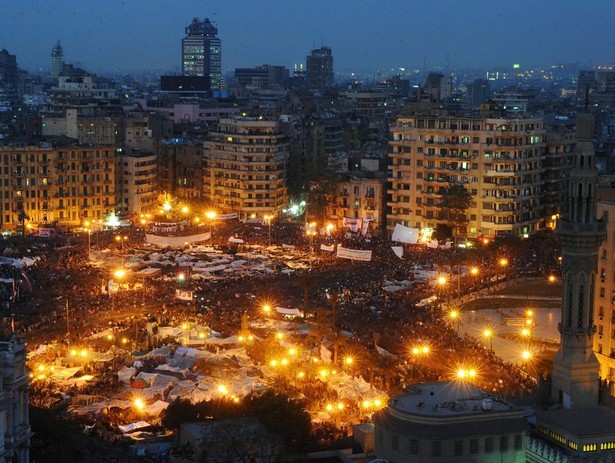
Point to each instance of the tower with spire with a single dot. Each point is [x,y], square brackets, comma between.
[57,60]
[575,367]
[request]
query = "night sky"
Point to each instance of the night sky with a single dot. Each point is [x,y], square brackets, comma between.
[364,35]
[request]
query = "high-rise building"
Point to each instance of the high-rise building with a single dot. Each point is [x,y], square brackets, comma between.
[246,161]
[8,70]
[202,53]
[479,91]
[440,87]
[319,65]
[57,60]
[497,159]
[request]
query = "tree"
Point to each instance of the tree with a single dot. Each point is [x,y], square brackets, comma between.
[282,416]
[321,196]
[453,203]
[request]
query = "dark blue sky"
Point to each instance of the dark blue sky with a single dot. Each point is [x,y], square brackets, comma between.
[377,34]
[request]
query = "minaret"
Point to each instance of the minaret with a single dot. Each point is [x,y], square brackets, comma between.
[57,60]
[575,367]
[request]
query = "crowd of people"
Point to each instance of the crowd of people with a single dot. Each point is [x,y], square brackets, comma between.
[67,301]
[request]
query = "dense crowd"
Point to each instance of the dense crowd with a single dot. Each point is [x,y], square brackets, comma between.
[67,302]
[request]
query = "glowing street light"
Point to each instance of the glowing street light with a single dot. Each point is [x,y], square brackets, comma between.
[488,334]
[267,309]
[455,316]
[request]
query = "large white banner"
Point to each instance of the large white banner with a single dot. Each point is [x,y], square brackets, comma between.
[172,241]
[354,254]
[405,234]
[226,216]
[183,295]
[324,247]
[353,224]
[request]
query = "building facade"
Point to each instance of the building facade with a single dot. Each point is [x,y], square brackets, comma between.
[246,160]
[14,414]
[202,53]
[360,198]
[57,60]
[64,185]
[136,181]
[498,160]
[443,422]
[319,66]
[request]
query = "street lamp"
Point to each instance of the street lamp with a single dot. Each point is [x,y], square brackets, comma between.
[268,219]
[488,334]
[89,231]
[211,215]
[454,316]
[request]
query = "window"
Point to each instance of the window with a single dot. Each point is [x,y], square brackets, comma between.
[503,443]
[458,448]
[395,443]
[489,445]
[518,442]
[473,446]
[436,448]
[414,447]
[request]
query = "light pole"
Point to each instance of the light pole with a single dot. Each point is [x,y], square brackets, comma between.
[67,323]
[488,334]
[211,215]
[268,219]
[89,231]
[119,274]
[454,316]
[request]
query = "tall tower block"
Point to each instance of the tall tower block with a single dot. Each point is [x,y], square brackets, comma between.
[57,60]
[575,367]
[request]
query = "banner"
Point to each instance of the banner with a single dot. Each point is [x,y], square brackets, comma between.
[324,247]
[171,241]
[398,250]
[405,234]
[183,295]
[232,239]
[354,254]
[226,216]
[365,227]
[433,244]
[288,246]
[353,224]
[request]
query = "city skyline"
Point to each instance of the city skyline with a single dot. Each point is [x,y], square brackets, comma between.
[125,36]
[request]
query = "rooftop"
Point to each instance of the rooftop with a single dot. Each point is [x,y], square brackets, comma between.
[598,421]
[448,399]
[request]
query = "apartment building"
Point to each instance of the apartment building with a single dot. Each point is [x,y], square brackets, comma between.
[246,160]
[360,198]
[56,184]
[136,181]
[498,160]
